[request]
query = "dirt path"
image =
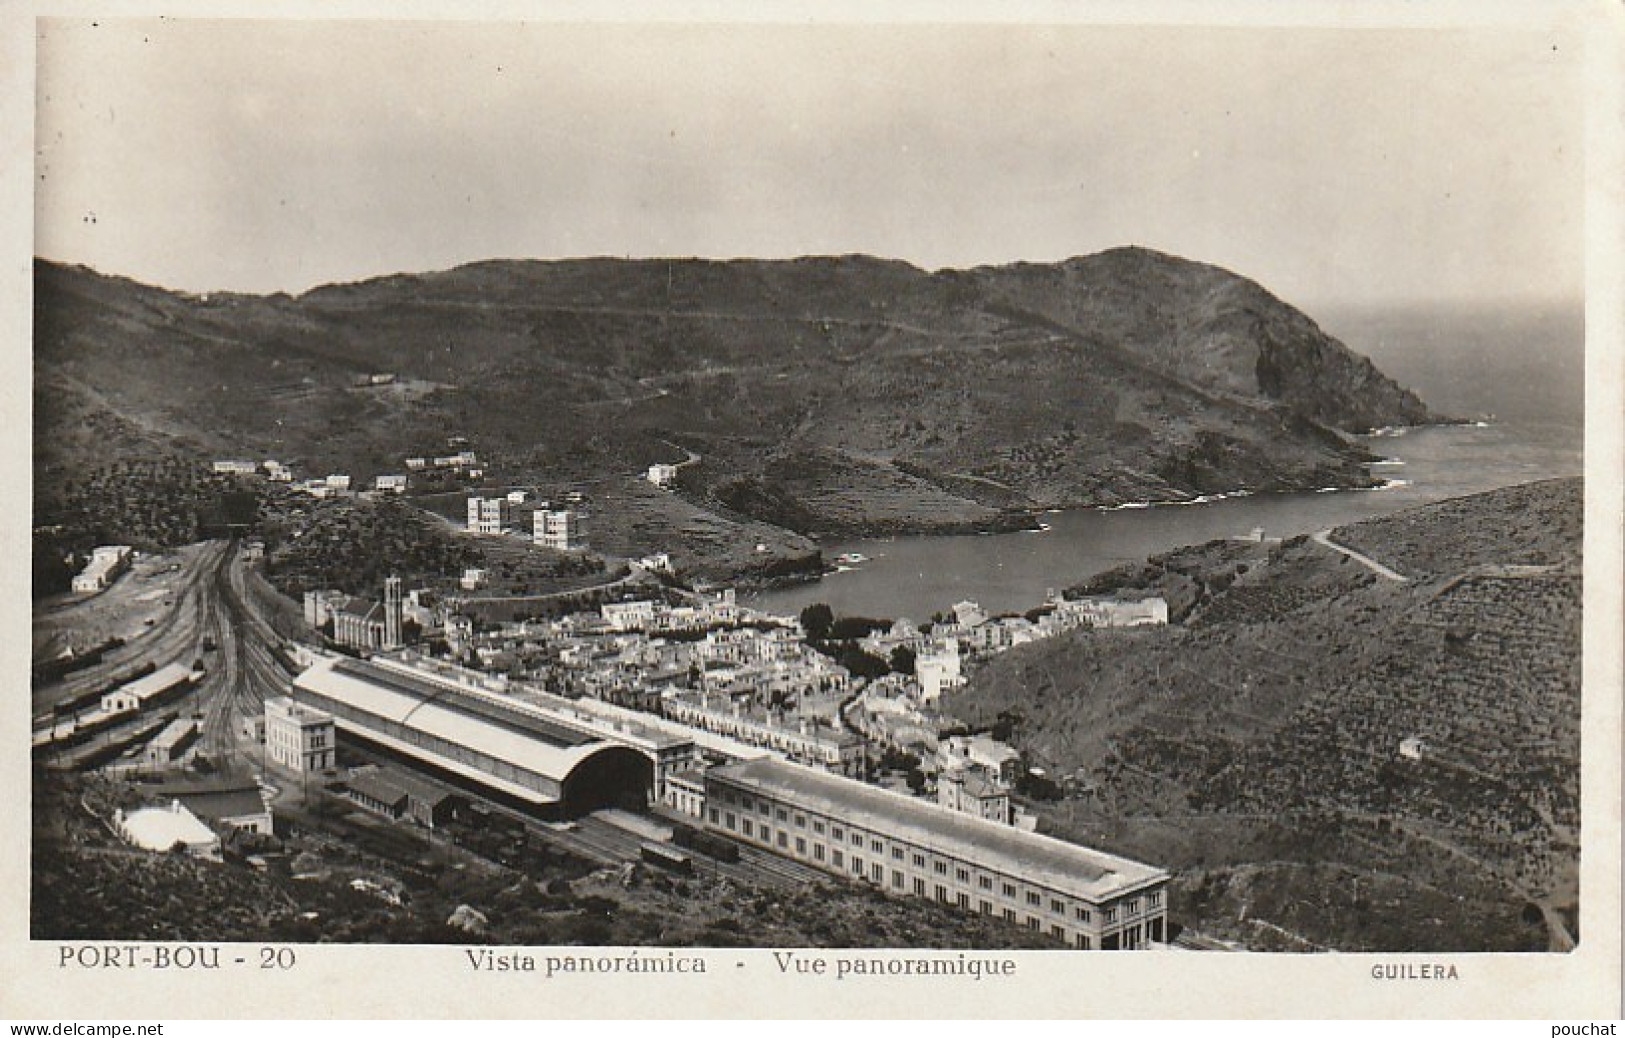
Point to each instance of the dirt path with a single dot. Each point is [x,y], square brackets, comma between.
[1325,537]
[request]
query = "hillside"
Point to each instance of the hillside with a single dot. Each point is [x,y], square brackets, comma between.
[824,395]
[1253,746]
[89,885]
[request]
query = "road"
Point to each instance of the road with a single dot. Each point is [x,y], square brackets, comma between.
[691,459]
[1325,537]
[634,572]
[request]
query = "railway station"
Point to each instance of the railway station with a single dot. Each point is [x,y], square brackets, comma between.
[518,756]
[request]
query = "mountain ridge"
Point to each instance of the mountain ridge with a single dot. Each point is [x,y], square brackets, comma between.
[957,399]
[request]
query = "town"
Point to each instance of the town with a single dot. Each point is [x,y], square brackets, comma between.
[633,718]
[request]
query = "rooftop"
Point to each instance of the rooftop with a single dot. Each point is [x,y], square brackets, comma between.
[437,711]
[483,704]
[389,785]
[1041,859]
[356,607]
[160,828]
[225,803]
[375,786]
[300,713]
[160,680]
[691,777]
[227,797]
[176,730]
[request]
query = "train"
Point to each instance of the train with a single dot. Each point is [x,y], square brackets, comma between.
[93,698]
[706,843]
[669,858]
[57,669]
[76,756]
[81,730]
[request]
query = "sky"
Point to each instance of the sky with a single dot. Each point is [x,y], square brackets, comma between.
[1335,166]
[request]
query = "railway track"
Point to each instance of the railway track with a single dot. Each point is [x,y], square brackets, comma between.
[173,638]
[250,664]
[601,841]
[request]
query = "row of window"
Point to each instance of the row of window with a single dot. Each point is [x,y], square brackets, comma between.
[835,857]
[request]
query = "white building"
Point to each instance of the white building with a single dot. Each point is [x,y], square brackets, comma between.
[460,460]
[969,614]
[972,793]
[338,482]
[235,468]
[979,753]
[390,484]
[162,684]
[516,497]
[473,579]
[559,530]
[298,737]
[685,793]
[487,514]
[104,567]
[938,670]
[659,562]
[818,744]
[629,616]
[161,828]
[662,475]
[1112,612]
[459,634]
[906,846]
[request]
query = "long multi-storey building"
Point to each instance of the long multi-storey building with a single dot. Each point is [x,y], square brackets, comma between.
[908,847]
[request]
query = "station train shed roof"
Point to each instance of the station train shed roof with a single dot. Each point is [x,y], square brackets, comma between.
[443,711]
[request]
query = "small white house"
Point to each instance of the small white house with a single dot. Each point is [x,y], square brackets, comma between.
[662,475]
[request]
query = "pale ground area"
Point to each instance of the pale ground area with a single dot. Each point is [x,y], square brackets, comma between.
[78,621]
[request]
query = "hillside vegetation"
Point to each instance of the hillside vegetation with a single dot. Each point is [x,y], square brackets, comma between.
[89,885]
[1254,746]
[829,394]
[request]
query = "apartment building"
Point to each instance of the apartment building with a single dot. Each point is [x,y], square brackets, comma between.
[910,848]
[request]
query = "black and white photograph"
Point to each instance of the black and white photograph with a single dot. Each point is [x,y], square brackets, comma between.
[634,488]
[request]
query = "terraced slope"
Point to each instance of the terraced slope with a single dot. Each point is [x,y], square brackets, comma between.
[1255,747]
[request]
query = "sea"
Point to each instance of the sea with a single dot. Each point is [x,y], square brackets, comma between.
[1516,373]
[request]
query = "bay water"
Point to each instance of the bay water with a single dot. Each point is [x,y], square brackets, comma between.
[1517,372]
